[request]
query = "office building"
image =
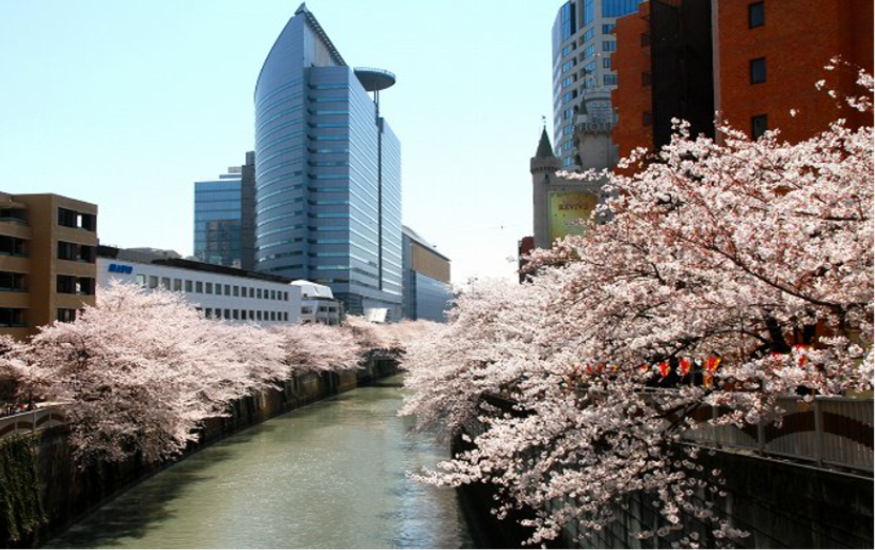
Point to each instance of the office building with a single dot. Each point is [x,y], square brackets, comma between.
[750,62]
[47,260]
[222,292]
[664,63]
[583,44]
[223,217]
[427,291]
[328,172]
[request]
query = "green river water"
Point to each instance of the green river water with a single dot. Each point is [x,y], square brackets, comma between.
[330,475]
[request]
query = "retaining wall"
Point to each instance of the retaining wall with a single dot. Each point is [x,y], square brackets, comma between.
[69,493]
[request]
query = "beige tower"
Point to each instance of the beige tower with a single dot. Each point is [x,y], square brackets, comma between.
[561,206]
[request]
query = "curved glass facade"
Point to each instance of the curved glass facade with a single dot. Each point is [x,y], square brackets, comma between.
[583,42]
[328,174]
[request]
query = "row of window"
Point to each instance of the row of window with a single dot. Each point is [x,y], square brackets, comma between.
[218,289]
[78,220]
[76,252]
[69,284]
[244,314]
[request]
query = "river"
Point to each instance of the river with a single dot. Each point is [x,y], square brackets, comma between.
[330,475]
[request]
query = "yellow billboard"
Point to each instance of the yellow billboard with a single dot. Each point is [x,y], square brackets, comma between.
[570,213]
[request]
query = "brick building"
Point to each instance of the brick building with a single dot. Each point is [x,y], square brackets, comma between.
[766,58]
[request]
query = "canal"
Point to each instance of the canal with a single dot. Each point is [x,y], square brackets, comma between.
[330,475]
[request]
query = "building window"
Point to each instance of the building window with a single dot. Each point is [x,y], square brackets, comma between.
[258,293]
[589,35]
[78,220]
[646,118]
[76,252]
[177,285]
[588,11]
[208,312]
[219,289]
[756,15]
[589,51]
[141,280]
[165,282]
[199,287]
[12,317]
[236,290]
[610,80]
[758,126]
[66,315]
[68,284]
[606,62]
[209,288]
[188,286]
[153,281]
[758,70]
[13,282]
[227,314]
[609,46]
[608,28]
[227,290]
[11,246]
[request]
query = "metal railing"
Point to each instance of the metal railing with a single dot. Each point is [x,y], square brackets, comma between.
[829,431]
[31,421]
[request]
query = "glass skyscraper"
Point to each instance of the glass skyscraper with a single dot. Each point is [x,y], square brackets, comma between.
[583,42]
[328,172]
[217,218]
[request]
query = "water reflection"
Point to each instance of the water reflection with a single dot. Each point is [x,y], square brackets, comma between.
[329,475]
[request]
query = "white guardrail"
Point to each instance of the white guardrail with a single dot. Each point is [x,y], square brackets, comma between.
[829,431]
[31,421]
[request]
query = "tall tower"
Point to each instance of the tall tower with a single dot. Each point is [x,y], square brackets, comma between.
[328,172]
[561,206]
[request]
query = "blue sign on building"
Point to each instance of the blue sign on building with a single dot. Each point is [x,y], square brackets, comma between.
[118,268]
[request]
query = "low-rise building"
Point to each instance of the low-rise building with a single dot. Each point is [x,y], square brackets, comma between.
[317,303]
[47,260]
[427,293]
[222,292]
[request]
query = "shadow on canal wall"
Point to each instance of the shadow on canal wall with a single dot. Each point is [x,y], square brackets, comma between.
[69,493]
[487,531]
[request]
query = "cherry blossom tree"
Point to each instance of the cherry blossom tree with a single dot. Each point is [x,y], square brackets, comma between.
[141,370]
[735,272]
[317,347]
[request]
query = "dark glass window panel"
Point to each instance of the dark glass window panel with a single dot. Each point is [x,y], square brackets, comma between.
[758,126]
[758,70]
[756,15]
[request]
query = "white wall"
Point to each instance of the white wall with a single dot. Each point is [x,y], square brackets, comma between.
[282,306]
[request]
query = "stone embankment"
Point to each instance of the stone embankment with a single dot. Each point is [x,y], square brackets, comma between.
[67,492]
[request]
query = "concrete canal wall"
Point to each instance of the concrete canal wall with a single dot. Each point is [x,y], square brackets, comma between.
[67,493]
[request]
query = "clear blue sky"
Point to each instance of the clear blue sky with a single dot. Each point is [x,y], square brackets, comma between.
[127,103]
